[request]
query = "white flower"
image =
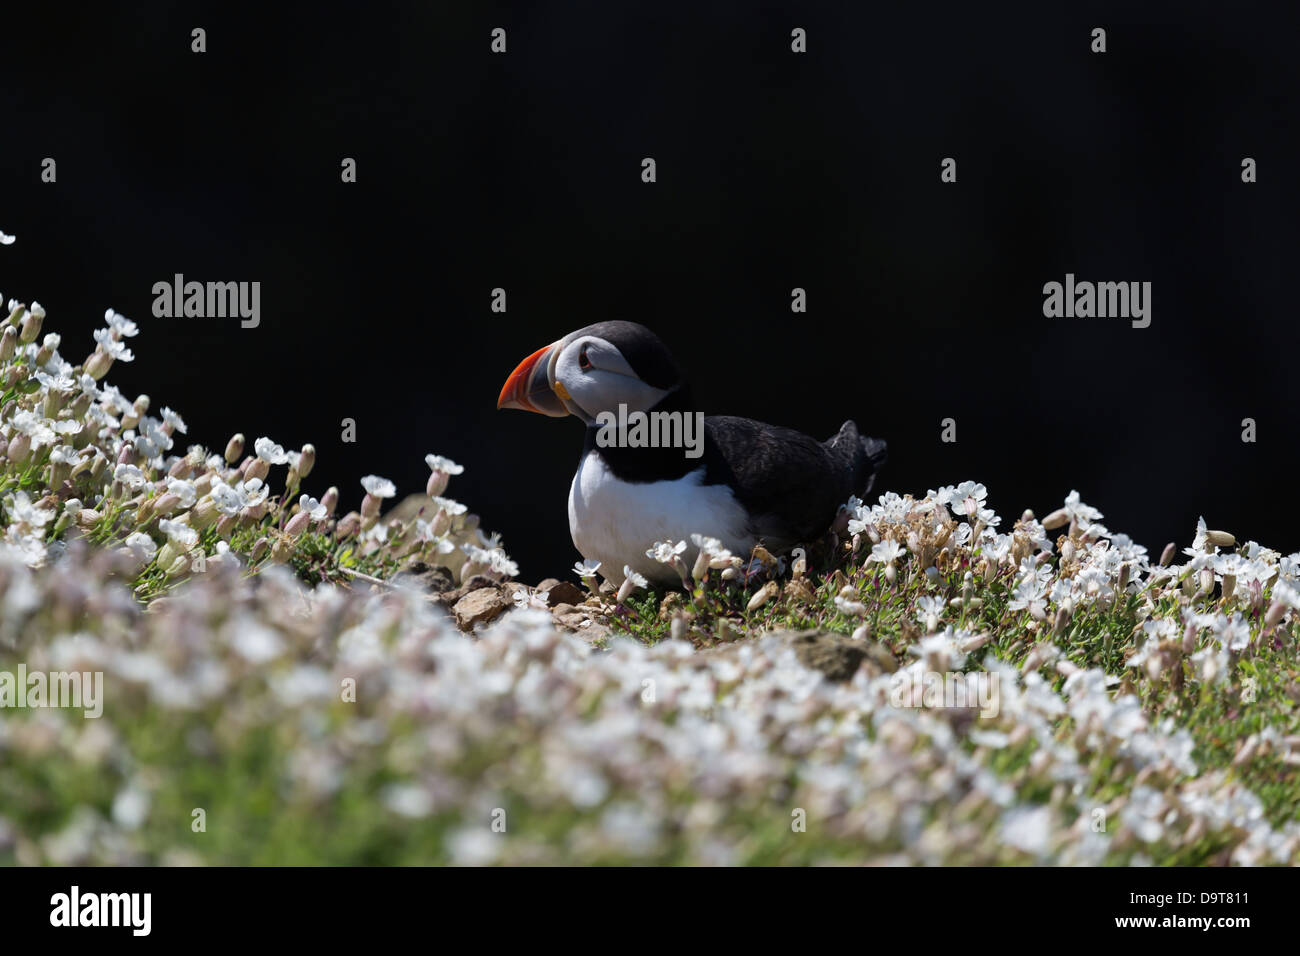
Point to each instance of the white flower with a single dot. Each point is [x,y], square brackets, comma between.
[112,346]
[705,543]
[22,510]
[119,323]
[313,507]
[586,569]
[34,426]
[929,609]
[270,452]
[665,551]
[378,487]
[181,534]
[636,579]
[887,551]
[445,465]
[65,455]
[55,383]
[227,499]
[254,491]
[152,441]
[142,546]
[184,490]
[129,475]
[1077,510]
[174,420]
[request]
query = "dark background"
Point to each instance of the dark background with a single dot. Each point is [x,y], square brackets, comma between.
[775,170]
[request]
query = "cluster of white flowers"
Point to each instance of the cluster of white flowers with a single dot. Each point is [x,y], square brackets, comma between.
[636,753]
[78,457]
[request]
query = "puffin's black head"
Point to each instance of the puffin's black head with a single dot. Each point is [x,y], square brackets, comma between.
[594,370]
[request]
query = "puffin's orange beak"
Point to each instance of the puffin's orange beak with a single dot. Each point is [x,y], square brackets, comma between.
[529,387]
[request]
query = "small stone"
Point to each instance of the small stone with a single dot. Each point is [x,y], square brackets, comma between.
[475,583]
[479,607]
[425,578]
[562,592]
[581,620]
[836,656]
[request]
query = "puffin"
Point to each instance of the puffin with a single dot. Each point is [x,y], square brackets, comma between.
[747,483]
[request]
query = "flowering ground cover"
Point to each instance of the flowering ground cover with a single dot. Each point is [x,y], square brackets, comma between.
[283,684]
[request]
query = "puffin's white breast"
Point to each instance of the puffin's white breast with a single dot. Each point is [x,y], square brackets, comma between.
[615,522]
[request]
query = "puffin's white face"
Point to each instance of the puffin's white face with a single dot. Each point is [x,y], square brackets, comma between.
[590,376]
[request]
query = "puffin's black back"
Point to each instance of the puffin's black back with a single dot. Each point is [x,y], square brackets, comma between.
[791,484]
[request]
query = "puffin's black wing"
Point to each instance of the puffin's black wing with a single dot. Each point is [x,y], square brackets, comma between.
[791,484]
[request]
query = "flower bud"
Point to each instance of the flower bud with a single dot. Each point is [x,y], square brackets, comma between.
[1276,612]
[234,448]
[1057,519]
[369,506]
[32,326]
[349,526]
[306,460]
[1219,539]
[226,525]
[97,366]
[203,514]
[1167,555]
[330,499]
[167,503]
[762,596]
[701,567]
[297,524]
[20,448]
[168,554]
[8,343]
[259,550]
[257,468]
[437,484]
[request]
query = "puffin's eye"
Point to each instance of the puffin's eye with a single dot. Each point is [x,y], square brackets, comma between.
[584,363]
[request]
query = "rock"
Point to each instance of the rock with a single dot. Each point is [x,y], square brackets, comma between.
[475,583]
[836,656]
[562,592]
[546,584]
[431,580]
[480,606]
[581,620]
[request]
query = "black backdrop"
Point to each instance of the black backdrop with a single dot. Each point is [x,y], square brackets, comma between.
[775,170]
